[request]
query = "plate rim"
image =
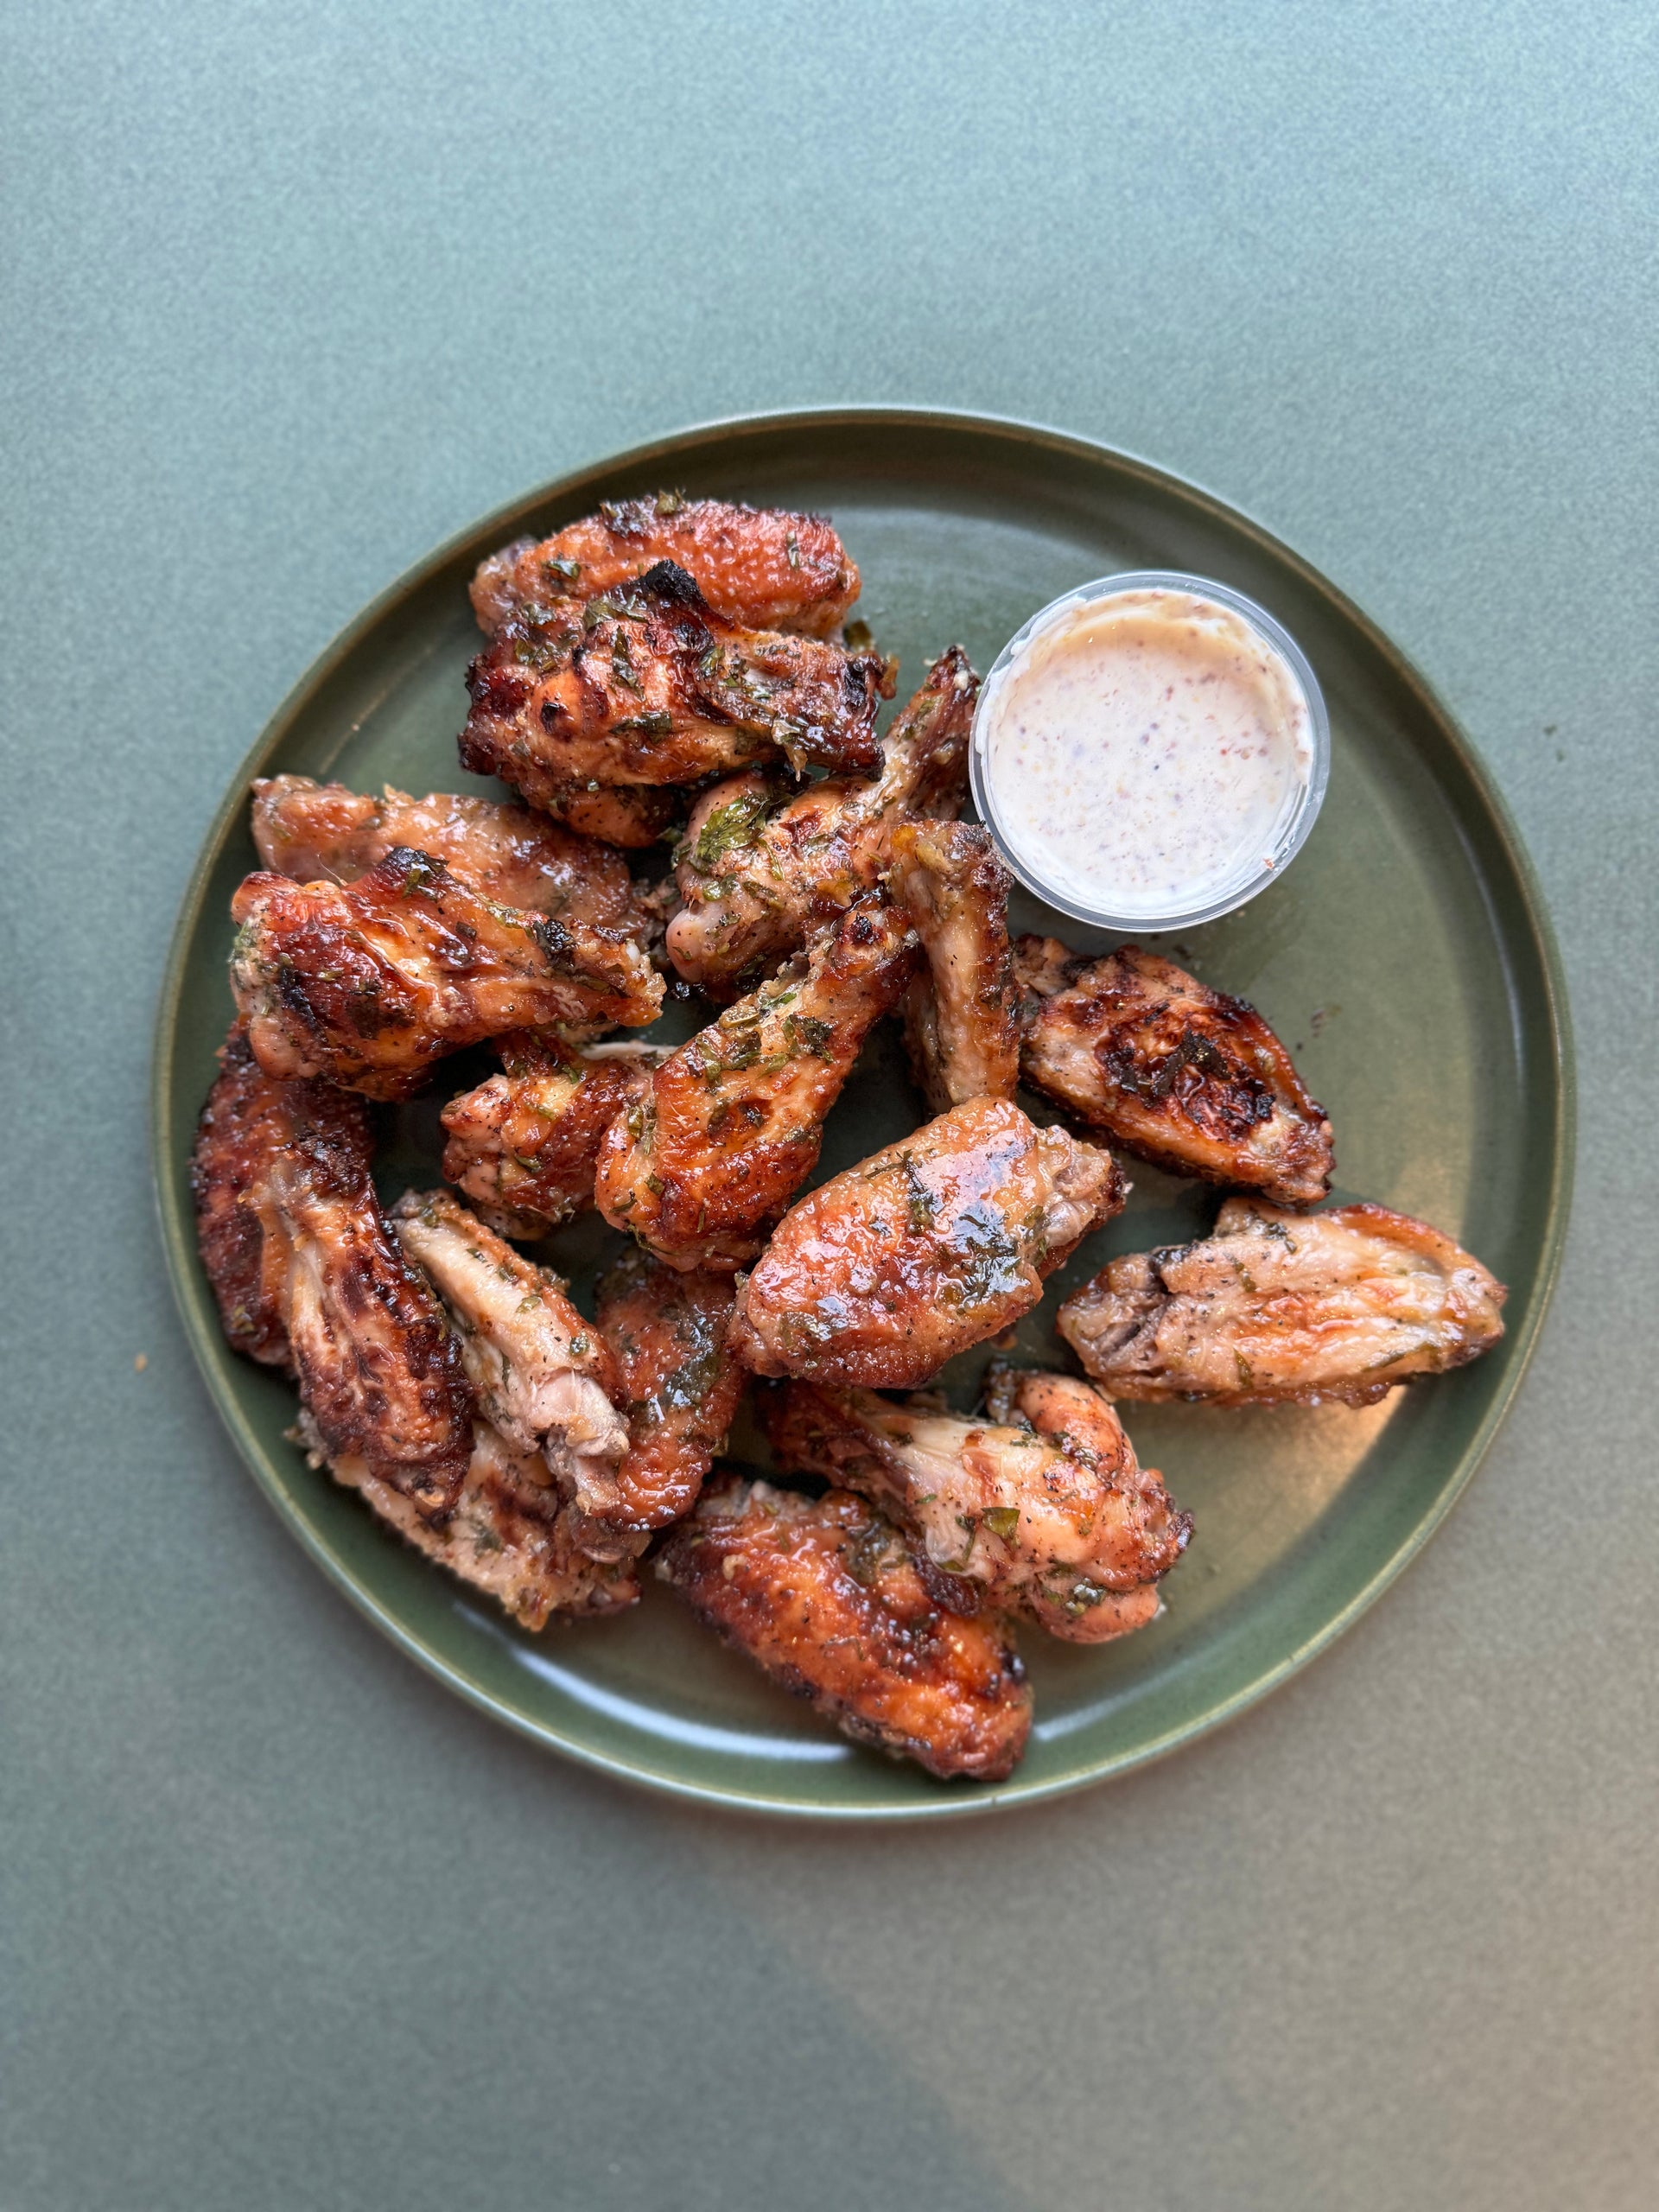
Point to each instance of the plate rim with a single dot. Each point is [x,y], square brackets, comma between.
[171,1197]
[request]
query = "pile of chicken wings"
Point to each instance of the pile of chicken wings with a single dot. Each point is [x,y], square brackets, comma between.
[685,668]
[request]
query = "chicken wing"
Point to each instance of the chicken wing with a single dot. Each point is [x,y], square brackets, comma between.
[369,983]
[308,1280]
[1276,1308]
[758,867]
[762,567]
[523,1146]
[1171,1070]
[881,1274]
[821,1594]
[635,816]
[542,1375]
[960,1022]
[734,1120]
[676,1381]
[1061,1524]
[649,685]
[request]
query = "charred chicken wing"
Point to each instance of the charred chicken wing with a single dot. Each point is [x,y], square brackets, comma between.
[758,867]
[308,1280]
[368,984]
[822,1593]
[1277,1308]
[735,1119]
[649,685]
[881,1274]
[1194,1082]
[761,567]
[960,1017]
[1054,1520]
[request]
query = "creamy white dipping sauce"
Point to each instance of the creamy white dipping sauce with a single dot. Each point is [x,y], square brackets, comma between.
[1147,752]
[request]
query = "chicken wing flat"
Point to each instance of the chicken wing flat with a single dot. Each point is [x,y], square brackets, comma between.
[542,1375]
[881,1274]
[1179,1075]
[308,1280]
[635,816]
[315,831]
[1060,1525]
[822,1593]
[649,685]
[525,1145]
[676,1381]
[734,1120]
[960,1023]
[368,984]
[1278,1308]
[760,567]
[758,867]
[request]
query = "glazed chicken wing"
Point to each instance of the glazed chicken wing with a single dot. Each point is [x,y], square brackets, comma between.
[758,867]
[1171,1070]
[821,1594]
[368,984]
[761,567]
[735,1119]
[649,685]
[308,1280]
[881,1274]
[960,1022]
[1055,1521]
[523,1146]
[1276,1308]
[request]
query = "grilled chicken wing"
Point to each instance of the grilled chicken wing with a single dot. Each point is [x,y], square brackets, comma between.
[960,1022]
[369,983]
[1172,1070]
[632,814]
[1057,1523]
[523,1146]
[734,1120]
[822,1593]
[762,567]
[675,1381]
[649,685]
[758,867]
[542,1375]
[308,1278]
[1277,1308]
[881,1274]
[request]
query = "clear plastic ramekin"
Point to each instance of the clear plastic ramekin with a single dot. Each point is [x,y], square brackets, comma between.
[1292,831]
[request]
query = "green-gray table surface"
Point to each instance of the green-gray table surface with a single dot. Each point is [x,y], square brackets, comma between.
[289,296]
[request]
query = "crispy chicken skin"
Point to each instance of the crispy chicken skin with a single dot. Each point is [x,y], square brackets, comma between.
[525,1145]
[315,831]
[822,1593]
[509,1535]
[1178,1074]
[368,984]
[757,867]
[649,685]
[675,1381]
[960,1023]
[758,566]
[735,1119]
[1058,1523]
[1279,1308]
[881,1274]
[635,816]
[308,1278]
[542,1375]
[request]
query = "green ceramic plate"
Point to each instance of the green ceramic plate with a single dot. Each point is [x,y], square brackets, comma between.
[1405,957]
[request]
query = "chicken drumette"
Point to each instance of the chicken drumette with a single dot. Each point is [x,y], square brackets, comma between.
[960,1022]
[369,982]
[1195,1082]
[1276,1308]
[884,1273]
[822,1593]
[735,1119]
